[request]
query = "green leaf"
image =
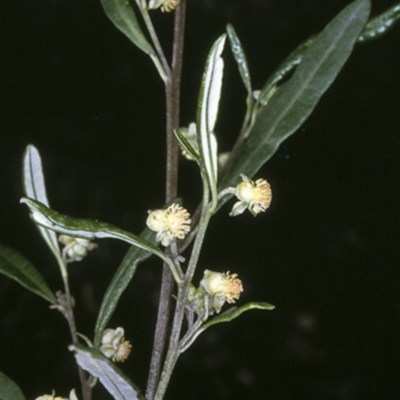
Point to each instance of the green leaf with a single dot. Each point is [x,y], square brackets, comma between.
[288,65]
[112,378]
[17,267]
[123,16]
[240,57]
[89,229]
[374,28]
[9,389]
[380,24]
[207,112]
[294,101]
[35,188]
[227,316]
[118,284]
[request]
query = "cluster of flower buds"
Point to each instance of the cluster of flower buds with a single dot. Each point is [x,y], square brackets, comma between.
[75,249]
[114,345]
[214,290]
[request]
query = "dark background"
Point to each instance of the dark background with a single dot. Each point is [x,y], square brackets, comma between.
[326,253]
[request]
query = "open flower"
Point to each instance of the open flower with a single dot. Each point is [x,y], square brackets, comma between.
[174,222]
[75,248]
[114,345]
[256,196]
[221,286]
[165,5]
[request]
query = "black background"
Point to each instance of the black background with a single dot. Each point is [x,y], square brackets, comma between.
[326,253]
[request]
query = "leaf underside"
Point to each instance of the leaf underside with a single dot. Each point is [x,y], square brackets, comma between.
[111,377]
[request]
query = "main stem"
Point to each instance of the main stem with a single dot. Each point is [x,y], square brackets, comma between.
[172,94]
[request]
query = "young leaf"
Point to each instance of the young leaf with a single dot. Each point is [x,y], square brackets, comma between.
[380,24]
[35,188]
[112,378]
[295,100]
[240,58]
[207,112]
[9,390]
[89,229]
[235,312]
[17,267]
[118,284]
[227,316]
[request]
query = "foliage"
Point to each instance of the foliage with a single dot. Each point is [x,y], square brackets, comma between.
[273,114]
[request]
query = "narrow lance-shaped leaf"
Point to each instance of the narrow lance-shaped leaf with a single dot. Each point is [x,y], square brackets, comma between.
[89,229]
[240,57]
[111,377]
[17,267]
[295,100]
[118,284]
[227,316]
[207,112]
[35,188]
[374,28]
[380,24]
[9,390]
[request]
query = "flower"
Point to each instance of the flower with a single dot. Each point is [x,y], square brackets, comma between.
[256,196]
[72,396]
[222,284]
[166,5]
[114,345]
[75,248]
[221,287]
[174,222]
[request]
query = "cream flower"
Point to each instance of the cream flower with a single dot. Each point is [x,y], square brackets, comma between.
[75,248]
[174,222]
[165,5]
[256,196]
[114,345]
[221,287]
